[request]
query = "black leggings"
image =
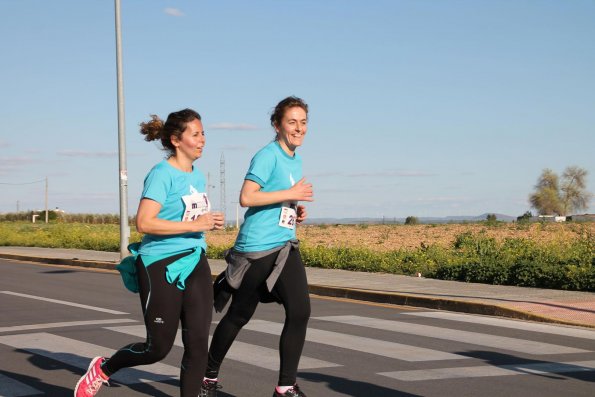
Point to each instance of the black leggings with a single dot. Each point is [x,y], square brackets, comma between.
[292,290]
[164,305]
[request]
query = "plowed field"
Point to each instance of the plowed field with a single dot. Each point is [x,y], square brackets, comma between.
[394,237]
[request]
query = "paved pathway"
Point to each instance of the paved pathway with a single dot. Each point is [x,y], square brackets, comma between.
[556,306]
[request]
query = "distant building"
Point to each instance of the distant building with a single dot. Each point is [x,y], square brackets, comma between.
[548,218]
[569,218]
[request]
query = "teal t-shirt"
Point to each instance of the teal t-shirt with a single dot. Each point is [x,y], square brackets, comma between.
[166,185]
[273,170]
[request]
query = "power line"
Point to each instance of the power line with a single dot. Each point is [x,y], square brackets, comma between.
[24,183]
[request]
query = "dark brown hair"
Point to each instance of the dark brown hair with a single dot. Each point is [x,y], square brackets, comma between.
[175,125]
[281,108]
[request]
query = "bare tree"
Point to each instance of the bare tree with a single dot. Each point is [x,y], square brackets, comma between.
[554,198]
[546,198]
[574,194]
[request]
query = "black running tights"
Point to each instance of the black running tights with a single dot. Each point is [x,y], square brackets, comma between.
[292,289]
[164,305]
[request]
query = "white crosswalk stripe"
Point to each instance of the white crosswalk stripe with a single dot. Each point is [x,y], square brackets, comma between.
[381,348]
[512,324]
[474,338]
[243,352]
[491,370]
[78,354]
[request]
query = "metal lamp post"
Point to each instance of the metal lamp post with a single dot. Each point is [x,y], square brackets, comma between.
[124,226]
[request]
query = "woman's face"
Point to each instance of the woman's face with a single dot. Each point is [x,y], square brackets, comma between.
[293,128]
[192,141]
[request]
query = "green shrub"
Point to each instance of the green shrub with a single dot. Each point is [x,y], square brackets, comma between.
[473,257]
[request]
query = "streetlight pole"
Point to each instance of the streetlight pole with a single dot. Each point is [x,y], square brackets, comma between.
[46,200]
[124,227]
[237,203]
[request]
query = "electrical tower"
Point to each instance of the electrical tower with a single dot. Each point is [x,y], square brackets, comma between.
[222,184]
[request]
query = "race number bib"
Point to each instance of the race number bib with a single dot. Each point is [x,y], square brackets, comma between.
[288,215]
[195,205]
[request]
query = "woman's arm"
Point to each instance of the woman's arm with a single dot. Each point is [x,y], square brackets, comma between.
[252,196]
[147,221]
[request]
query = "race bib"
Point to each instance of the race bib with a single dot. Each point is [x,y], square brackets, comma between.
[195,205]
[288,215]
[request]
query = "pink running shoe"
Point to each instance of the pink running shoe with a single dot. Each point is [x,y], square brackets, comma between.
[90,383]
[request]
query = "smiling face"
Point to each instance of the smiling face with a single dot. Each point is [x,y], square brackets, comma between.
[292,129]
[191,143]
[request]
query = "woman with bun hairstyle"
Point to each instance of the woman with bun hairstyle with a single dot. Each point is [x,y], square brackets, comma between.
[169,268]
[265,263]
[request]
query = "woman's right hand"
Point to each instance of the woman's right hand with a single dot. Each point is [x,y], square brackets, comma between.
[302,191]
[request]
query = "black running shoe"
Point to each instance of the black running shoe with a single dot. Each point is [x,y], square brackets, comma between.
[209,388]
[293,392]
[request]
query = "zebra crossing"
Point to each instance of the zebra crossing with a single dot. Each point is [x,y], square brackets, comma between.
[48,341]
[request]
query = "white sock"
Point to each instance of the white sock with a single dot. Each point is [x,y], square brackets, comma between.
[210,379]
[283,389]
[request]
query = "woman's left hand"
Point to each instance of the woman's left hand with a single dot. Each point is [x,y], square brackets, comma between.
[302,214]
[219,220]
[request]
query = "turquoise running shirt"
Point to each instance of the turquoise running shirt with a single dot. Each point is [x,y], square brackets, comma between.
[166,185]
[273,170]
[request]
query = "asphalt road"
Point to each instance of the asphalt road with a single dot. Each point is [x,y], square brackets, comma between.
[54,319]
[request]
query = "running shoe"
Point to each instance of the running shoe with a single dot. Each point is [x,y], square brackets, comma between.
[90,383]
[209,388]
[293,392]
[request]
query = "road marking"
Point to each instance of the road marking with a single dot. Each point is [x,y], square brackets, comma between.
[514,324]
[246,353]
[474,338]
[366,303]
[485,371]
[30,327]
[373,346]
[41,298]
[78,354]
[13,388]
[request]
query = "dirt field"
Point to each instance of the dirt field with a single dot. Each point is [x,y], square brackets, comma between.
[393,237]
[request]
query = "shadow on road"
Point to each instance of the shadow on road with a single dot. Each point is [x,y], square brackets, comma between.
[524,366]
[353,388]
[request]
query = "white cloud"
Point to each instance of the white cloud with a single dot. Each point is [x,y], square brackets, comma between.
[389,174]
[4,143]
[232,127]
[174,12]
[83,153]
[11,165]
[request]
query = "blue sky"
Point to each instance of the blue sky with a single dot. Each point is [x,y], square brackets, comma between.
[424,108]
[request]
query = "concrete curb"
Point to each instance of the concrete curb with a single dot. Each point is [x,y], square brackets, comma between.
[392,298]
[452,305]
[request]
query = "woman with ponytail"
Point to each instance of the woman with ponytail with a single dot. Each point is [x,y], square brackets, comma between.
[169,268]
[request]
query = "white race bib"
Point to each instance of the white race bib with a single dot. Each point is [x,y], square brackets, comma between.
[288,215]
[195,205]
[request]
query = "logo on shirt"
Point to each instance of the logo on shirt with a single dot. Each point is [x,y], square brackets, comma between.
[291,180]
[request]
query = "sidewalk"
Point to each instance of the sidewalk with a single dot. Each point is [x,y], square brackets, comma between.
[546,305]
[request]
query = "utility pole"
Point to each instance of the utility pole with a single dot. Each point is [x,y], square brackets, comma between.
[124,227]
[46,200]
[222,184]
[237,203]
